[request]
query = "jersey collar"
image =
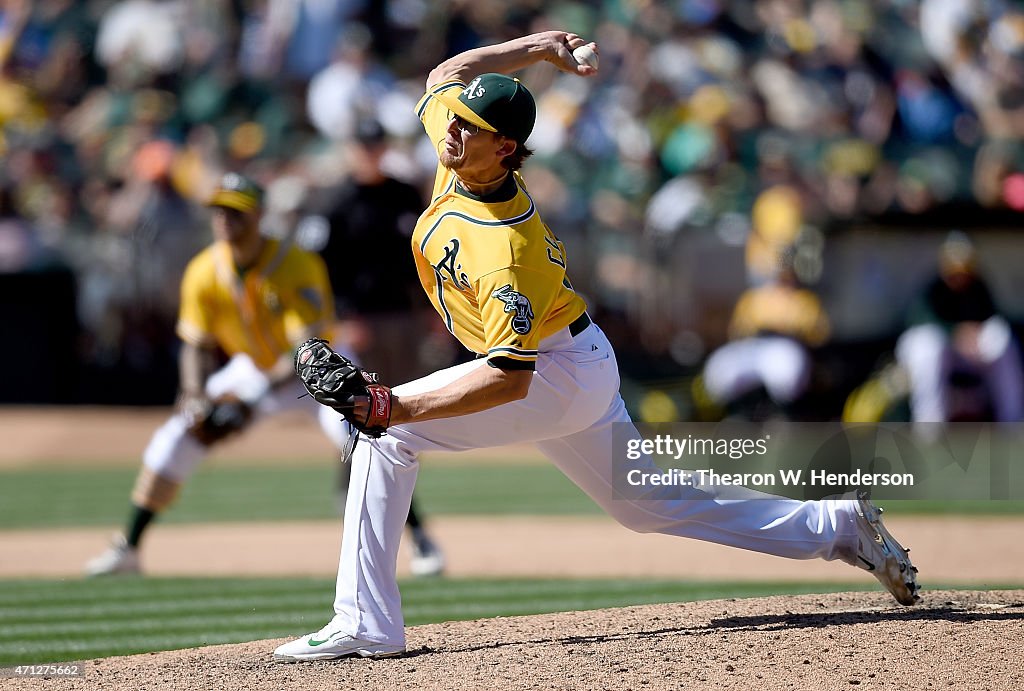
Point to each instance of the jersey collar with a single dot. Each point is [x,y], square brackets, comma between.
[230,272]
[507,192]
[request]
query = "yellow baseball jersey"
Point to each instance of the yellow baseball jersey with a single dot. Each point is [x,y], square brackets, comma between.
[262,312]
[490,266]
[782,310]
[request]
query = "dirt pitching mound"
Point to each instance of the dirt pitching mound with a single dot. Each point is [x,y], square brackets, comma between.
[954,639]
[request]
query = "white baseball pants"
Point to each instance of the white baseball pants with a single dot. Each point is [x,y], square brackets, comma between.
[174,454]
[781,365]
[927,353]
[569,413]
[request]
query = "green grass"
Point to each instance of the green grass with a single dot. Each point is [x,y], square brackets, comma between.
[92,497]
[89,497]
[52,621]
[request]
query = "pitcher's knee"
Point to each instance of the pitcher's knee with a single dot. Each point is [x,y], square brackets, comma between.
[631,515]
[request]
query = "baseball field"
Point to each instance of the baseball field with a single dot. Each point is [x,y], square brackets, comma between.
[542,591]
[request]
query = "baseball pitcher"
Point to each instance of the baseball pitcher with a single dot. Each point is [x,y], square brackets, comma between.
[545,373]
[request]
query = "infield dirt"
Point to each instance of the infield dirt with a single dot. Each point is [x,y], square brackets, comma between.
[953,640]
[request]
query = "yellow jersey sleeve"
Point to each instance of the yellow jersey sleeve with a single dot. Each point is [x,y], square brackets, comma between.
[514,303]
[309,307]
[196,312]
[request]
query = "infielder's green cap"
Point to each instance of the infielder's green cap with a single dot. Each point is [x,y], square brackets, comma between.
[495,102]
[237,192]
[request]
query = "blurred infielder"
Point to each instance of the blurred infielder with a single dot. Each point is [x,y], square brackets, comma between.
[253,298]
[546,375]
[774,326]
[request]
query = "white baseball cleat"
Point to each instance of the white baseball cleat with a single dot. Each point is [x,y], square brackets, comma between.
[427,559]
[880,553]
[330,643]
[120,558]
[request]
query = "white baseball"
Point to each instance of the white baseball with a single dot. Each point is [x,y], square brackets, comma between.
[586,55]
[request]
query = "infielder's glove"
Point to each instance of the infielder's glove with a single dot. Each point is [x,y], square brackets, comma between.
[213,421]
[335,381]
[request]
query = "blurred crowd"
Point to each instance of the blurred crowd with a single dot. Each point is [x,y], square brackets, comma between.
[753,125]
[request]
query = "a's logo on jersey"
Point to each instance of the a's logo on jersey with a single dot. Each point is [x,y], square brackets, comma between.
[449,266]
[474,90]
[518,305]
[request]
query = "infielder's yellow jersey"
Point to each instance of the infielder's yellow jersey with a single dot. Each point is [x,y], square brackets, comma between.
[782,310]
[263,312]
[491,267]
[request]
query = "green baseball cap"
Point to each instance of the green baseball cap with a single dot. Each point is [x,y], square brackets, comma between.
[494,102]
[237,192]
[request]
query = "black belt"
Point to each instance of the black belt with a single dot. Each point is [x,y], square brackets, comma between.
[577,327]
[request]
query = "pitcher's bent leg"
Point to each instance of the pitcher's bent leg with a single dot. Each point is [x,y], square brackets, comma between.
[380,491]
